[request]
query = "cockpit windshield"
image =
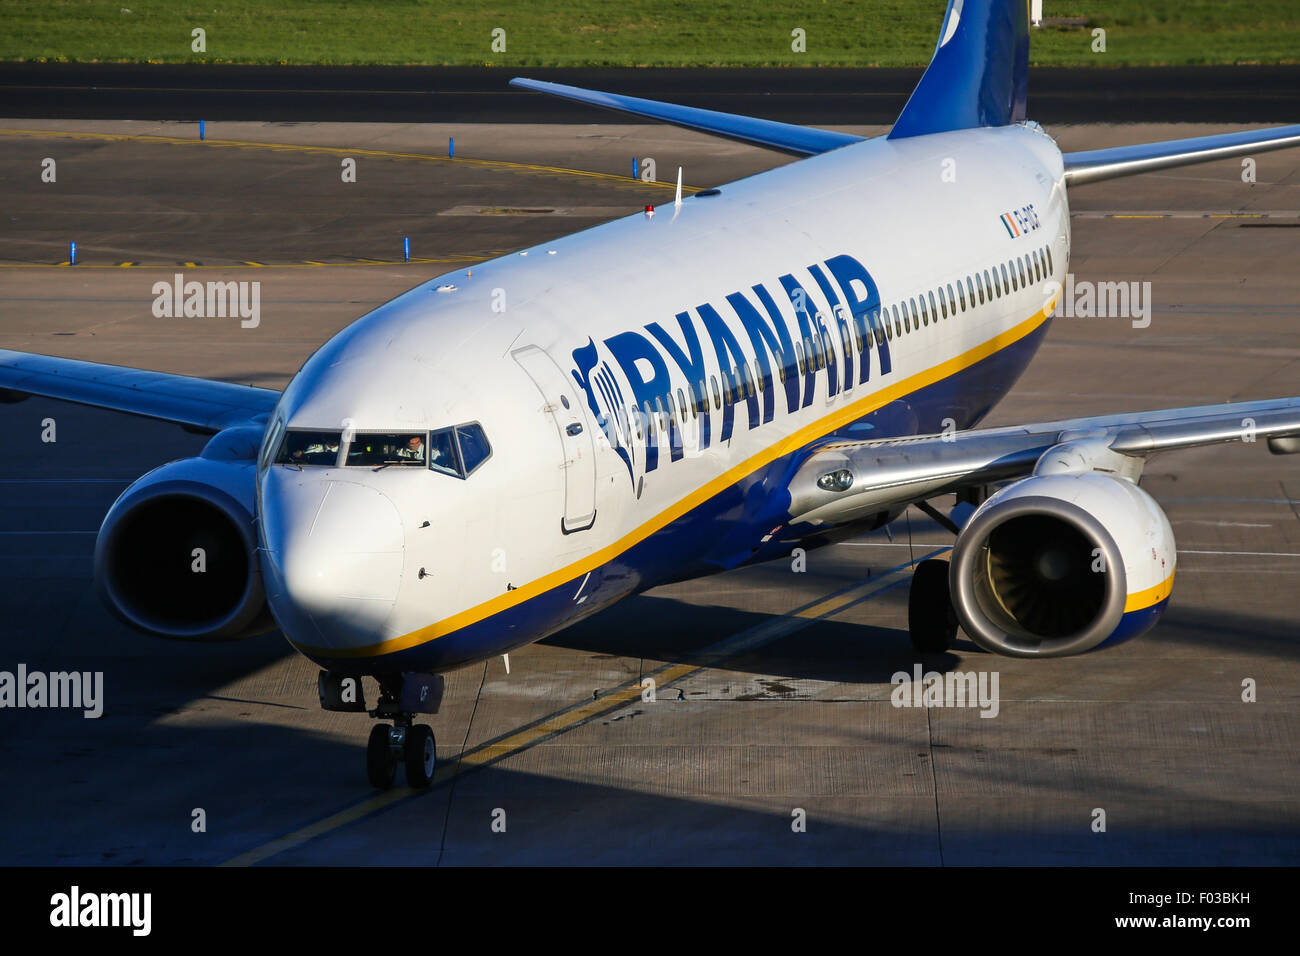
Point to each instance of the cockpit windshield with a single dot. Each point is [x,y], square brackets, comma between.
[403,448]
[309,448]
[457,451]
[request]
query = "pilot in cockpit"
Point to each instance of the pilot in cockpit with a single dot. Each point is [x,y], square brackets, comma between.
[413,450]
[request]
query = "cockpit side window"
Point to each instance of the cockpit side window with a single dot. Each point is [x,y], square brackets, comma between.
[443,456]
[474,447]
[309,448]
[270,443]
[458,451]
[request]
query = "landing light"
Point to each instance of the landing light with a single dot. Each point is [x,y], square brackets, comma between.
[840,480]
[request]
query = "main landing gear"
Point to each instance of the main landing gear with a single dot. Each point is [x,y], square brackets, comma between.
[402,742]
[931,621]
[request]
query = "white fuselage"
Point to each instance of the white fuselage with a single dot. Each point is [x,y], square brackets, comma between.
[411,569]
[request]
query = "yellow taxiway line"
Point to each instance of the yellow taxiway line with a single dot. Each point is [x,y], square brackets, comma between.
[517,741]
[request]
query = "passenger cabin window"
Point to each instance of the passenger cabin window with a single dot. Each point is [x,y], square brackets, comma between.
[309,448]
[388,448]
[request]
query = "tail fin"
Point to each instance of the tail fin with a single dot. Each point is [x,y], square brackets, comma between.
[979,75]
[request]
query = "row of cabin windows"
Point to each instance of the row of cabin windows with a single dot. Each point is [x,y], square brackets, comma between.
[961,295]
[891,321]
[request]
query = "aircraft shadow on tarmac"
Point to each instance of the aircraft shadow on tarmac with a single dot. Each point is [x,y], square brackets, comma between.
[659,628]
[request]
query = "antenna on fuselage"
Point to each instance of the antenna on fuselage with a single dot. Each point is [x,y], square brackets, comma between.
[678,201]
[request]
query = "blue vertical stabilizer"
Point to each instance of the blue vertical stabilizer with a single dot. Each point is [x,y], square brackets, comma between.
[979,75]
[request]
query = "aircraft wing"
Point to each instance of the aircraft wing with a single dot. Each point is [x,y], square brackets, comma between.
[1098,164]
[785,137]
[896,472]
[198,403]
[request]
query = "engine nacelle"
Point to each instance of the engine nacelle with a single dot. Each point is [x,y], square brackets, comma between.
[176,555]
[1059,564]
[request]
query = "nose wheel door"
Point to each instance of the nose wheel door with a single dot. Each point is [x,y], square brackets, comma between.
[562,406]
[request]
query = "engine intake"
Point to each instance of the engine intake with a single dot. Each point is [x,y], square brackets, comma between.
[1056,565]
[177,553]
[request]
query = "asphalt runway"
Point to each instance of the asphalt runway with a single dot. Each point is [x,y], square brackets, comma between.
[420,94]
[772,687]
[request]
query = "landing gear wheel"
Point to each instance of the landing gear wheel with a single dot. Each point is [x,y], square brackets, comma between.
[381,766]
[931,621]
[421,756]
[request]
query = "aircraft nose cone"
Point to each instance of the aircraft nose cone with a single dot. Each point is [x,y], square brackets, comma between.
[335,551]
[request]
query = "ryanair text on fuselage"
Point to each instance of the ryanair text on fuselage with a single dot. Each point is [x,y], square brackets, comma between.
[649,416]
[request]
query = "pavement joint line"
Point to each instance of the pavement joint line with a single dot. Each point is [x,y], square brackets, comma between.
[345,151]
[578,714]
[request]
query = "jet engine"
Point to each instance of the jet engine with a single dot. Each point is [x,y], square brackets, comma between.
[176,555]
[1058,564]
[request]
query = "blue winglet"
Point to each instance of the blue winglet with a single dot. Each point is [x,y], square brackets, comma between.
[786,137]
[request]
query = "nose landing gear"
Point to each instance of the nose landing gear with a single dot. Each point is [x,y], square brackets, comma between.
[412,745]
[404,742]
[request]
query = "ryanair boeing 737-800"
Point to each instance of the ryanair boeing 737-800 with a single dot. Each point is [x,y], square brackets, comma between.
[776,363]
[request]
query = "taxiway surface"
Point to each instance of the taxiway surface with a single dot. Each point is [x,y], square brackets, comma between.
[1155,732]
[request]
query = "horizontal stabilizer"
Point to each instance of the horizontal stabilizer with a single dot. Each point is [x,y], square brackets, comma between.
[1098,164]
[786,137]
